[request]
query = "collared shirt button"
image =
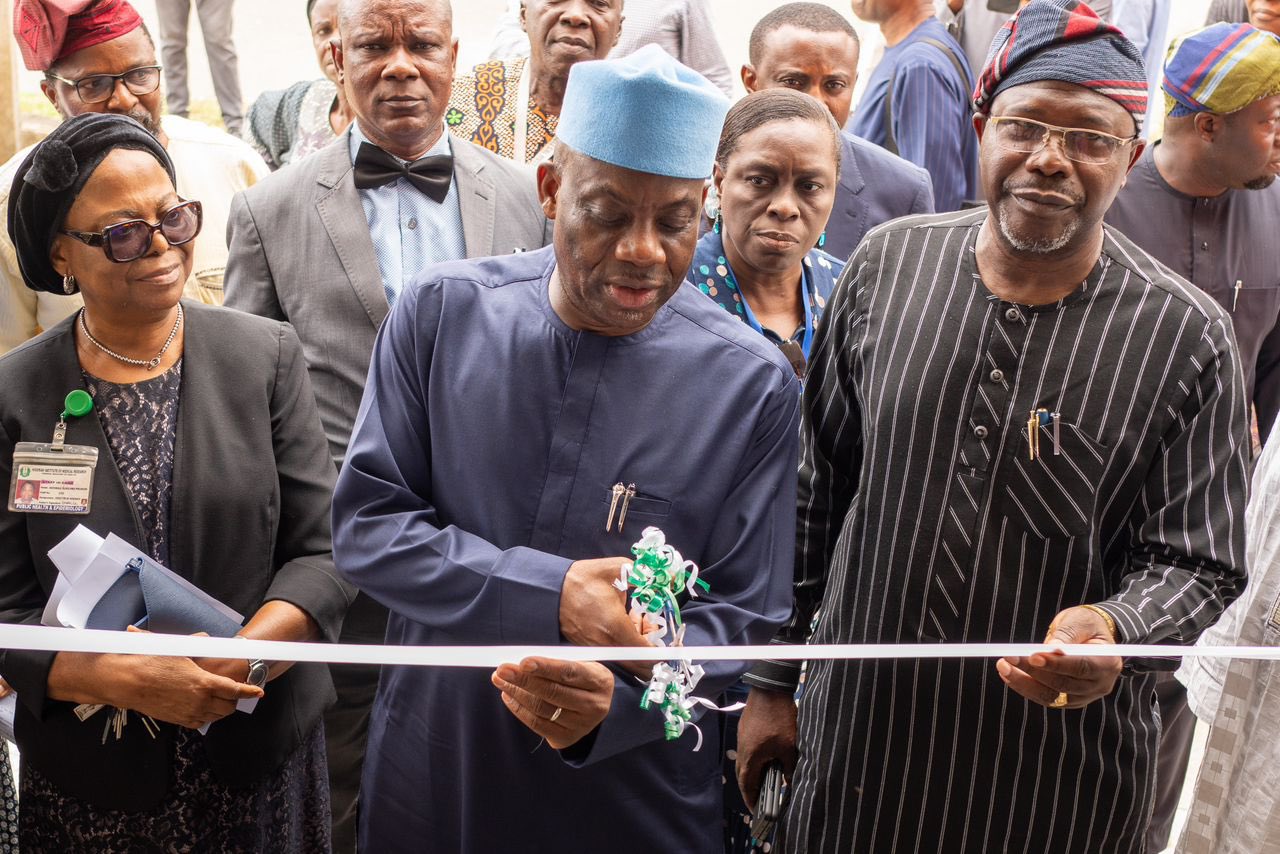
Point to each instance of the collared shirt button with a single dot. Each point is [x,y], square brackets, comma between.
[413,223]
[1204,244]
[980,431]
[997,376]
[1013,315]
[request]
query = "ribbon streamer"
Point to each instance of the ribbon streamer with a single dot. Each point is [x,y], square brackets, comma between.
[656,578]
[56,639]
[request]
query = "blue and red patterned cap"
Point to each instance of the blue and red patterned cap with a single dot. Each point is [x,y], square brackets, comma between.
[1065,41]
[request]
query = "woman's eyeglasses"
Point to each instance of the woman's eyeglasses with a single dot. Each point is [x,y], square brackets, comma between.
[130,240]
[97,88]
[1081,145]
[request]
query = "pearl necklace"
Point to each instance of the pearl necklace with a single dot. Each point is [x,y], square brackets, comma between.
[149,364]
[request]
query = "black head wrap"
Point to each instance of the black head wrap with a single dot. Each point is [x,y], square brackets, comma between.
[52,176]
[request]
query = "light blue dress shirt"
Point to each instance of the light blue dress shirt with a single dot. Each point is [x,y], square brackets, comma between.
[410,232]
[1146,24]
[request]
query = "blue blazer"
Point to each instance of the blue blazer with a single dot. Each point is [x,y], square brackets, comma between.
[875,187]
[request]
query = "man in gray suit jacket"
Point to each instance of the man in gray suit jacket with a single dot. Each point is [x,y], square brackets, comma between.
[327,244]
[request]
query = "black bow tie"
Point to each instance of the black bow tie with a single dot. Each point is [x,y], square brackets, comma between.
[431,175]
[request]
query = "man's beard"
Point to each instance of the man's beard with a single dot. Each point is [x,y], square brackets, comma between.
[148,121]
[141,116]
[1043,246]
[1261,182]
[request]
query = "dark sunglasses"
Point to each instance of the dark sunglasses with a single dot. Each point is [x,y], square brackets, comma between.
[130,240]
[97,88]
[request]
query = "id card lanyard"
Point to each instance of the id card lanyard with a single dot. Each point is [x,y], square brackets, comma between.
[55,477]
[807,341]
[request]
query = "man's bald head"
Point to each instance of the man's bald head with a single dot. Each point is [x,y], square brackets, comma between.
[351,12]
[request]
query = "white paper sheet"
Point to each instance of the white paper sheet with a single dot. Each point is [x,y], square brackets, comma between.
[70,556]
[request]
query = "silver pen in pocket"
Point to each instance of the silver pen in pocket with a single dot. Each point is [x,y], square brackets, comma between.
[618,490]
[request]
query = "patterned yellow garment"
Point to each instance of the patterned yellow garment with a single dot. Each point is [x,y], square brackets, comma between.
[482,109]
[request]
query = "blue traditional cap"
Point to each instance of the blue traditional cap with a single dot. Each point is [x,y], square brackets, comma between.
[644,111]
[1064,40]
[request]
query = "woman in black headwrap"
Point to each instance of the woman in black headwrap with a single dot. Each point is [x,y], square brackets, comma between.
[212,460]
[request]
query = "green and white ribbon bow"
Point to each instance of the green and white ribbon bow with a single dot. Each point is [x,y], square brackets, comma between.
[656,578]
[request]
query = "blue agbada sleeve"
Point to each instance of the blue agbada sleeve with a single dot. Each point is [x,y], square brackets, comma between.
[753,544]
[925,117]
[388,539]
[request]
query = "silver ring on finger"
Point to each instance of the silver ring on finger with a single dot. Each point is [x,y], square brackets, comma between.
[555,716]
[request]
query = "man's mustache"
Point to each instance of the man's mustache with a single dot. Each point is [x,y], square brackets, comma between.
[1047,188]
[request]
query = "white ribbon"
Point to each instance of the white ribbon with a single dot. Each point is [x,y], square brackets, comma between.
[58,639]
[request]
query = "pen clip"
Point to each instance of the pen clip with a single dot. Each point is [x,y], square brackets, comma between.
[626,502]
[618,489]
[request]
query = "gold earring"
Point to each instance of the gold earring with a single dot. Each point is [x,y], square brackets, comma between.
[69,285]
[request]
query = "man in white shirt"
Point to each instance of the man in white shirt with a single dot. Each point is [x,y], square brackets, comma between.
[107,41]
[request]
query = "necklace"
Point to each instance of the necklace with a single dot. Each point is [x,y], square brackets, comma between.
[149,364]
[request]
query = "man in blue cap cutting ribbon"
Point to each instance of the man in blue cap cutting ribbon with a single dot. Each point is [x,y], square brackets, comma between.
[526,417]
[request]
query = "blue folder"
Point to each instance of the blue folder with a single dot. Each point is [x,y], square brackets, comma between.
[144,596]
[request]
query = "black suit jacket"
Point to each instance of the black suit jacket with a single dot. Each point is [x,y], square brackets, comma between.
[252,480]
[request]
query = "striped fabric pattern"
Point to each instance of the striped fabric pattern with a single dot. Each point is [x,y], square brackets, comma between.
[931,115]
[923,519]
[1221,69]
[1064,40]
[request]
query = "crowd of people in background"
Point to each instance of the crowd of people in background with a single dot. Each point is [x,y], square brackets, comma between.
[990,354]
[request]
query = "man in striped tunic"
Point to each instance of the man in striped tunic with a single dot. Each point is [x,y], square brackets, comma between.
[1017,426]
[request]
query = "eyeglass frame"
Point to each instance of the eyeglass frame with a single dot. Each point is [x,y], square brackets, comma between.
[116,79]
[99,238]
[1050,130]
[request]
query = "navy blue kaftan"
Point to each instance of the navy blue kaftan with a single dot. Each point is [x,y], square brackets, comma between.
[481,466]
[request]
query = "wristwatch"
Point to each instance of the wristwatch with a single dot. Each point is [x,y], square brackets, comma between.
[258,671]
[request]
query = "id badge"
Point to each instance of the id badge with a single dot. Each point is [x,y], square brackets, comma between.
[52,481]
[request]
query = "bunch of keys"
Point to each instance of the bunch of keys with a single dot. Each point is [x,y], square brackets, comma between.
[115,721]
[1042,419]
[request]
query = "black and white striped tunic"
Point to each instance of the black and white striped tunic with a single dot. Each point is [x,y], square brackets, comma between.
[922,519]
